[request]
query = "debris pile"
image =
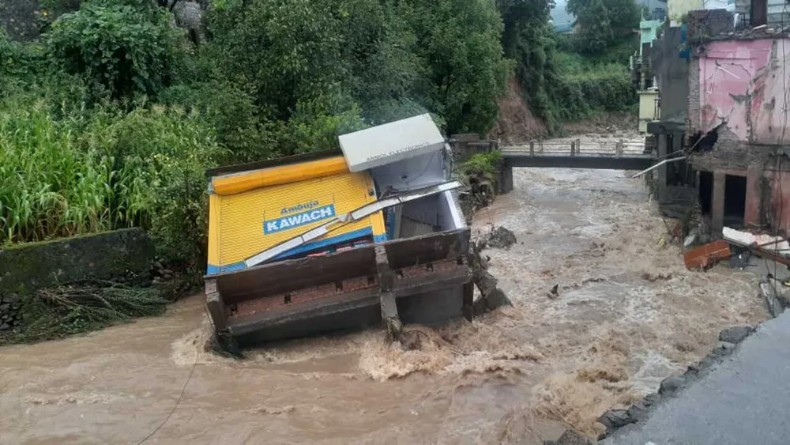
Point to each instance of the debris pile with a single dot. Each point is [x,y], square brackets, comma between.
[9,311]
[491,297]
[496,238]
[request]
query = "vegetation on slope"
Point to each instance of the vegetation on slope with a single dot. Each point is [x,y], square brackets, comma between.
[110,119]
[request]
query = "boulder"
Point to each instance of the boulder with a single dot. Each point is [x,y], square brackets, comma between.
[500,238]
[571,437]
[638,411]
[671,384]
[735,334]
[652,398]
[615,418]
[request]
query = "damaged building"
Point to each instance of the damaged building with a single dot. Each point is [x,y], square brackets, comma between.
[722,136]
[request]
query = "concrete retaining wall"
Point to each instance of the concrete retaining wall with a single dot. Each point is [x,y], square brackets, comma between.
[125,254]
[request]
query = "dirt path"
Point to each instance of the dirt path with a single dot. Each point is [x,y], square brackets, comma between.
[627,315]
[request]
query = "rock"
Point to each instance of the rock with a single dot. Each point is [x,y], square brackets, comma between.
[615,418]
[723,349]
[5,307]
[638,411]
[500,238]
[735,334]
[571,437]
[671,384]
[11,298]
[5,327]
[652,399]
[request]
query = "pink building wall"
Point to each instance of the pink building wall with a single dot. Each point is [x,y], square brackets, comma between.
[742,85]
[779,199]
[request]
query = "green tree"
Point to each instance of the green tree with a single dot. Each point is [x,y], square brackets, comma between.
[122,49]
[459,41]
[602,22]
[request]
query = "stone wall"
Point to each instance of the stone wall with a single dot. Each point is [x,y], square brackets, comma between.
[121,254]
[693,98]
[671,71]
[19,19]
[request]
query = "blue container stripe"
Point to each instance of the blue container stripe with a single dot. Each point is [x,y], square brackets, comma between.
[325,242]
[213,270]
[380,238]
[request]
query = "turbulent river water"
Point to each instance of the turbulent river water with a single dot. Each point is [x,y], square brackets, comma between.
[627,315]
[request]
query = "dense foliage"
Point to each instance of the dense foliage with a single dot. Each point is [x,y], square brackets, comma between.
[602,23]
[561,79]
[110,119]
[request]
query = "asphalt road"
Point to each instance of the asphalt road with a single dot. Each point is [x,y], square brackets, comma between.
[745,399]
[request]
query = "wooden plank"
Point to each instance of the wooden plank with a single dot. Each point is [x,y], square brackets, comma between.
[707,255]
[288,275]
[427,248]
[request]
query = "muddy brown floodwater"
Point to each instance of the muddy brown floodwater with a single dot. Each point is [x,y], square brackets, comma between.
[628,314]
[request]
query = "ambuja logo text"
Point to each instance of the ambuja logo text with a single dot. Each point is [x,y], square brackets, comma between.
[298,219]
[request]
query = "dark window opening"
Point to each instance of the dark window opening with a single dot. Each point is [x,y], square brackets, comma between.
[707,143]
[734,201]
[705,191]
[759,12]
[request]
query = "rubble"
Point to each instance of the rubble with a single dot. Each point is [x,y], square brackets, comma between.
[491,296]
[498,238]
[735,334]
[671,384]
[570,437]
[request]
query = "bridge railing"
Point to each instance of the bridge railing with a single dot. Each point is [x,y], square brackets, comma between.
[577,147]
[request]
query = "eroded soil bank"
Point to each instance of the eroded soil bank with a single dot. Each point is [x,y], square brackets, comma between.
[627,314]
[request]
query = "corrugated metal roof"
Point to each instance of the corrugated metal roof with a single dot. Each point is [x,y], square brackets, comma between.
[391,142]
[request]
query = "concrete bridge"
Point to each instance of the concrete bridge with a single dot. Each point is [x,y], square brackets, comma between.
[573,153]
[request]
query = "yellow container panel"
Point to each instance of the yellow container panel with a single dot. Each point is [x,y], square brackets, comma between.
[244,224]
[250,180]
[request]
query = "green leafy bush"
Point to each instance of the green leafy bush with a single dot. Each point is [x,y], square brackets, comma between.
[122,49]
[105,170]
[482,165]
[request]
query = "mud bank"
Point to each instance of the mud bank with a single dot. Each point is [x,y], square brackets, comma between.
[626,315]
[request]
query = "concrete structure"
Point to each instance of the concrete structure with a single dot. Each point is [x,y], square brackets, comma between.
[724,105]
[127,254]
[648,32]
[742,400]
[677,9]
[620,155]
[648,108]
[738,117]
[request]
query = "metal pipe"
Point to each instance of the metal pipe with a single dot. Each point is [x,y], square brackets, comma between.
[653,167]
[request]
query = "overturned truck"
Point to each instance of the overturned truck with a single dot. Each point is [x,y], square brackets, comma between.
[324,242]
